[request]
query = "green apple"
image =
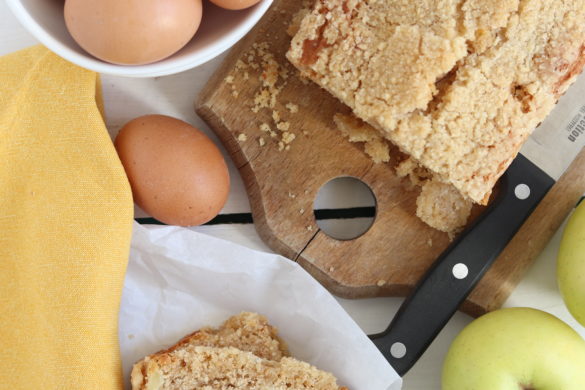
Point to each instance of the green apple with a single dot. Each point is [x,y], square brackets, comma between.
[516,349]
[571,264]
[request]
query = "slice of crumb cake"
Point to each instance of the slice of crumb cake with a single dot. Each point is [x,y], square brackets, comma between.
[244,353]
[197,367]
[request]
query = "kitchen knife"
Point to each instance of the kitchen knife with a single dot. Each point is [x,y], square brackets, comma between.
[544,157]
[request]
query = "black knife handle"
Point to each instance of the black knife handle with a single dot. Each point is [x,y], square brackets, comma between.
[439,292]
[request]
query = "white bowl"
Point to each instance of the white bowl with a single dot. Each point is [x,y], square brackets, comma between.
[220,29]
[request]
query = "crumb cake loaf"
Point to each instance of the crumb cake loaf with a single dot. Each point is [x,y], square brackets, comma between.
[456,84]
[244,353]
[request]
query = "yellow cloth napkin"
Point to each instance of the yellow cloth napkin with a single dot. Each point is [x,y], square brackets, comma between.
[65,226]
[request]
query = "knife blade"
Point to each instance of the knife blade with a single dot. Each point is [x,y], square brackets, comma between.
[544,157]
[560,137]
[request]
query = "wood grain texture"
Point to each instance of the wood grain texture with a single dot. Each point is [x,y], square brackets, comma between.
[282,185]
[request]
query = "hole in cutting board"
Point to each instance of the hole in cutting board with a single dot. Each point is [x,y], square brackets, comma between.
[345,208]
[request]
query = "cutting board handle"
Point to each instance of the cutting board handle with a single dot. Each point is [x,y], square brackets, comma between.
[456,272]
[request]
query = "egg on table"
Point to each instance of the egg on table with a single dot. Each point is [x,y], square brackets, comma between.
[177,174]
[132,32]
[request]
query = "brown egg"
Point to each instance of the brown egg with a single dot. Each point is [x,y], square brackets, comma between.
[176,172]
[132,32]
[234,4]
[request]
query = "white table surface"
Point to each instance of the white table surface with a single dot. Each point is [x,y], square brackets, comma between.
[174,95]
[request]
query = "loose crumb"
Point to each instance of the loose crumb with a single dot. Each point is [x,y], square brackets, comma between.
[287,137]
[283,126]
[273,77]
[310,228]
[241,65]
[301,211]
[380,283]
[242,137]
[261,100]
[293,108]
[271,73]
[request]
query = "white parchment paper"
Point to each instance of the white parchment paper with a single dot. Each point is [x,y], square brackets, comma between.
[179,280]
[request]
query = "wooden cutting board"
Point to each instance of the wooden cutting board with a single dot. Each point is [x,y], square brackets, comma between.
[282,182]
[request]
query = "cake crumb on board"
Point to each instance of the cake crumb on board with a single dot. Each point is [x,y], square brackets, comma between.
[439,205]
[273,77]
[293,108]
[287,137]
